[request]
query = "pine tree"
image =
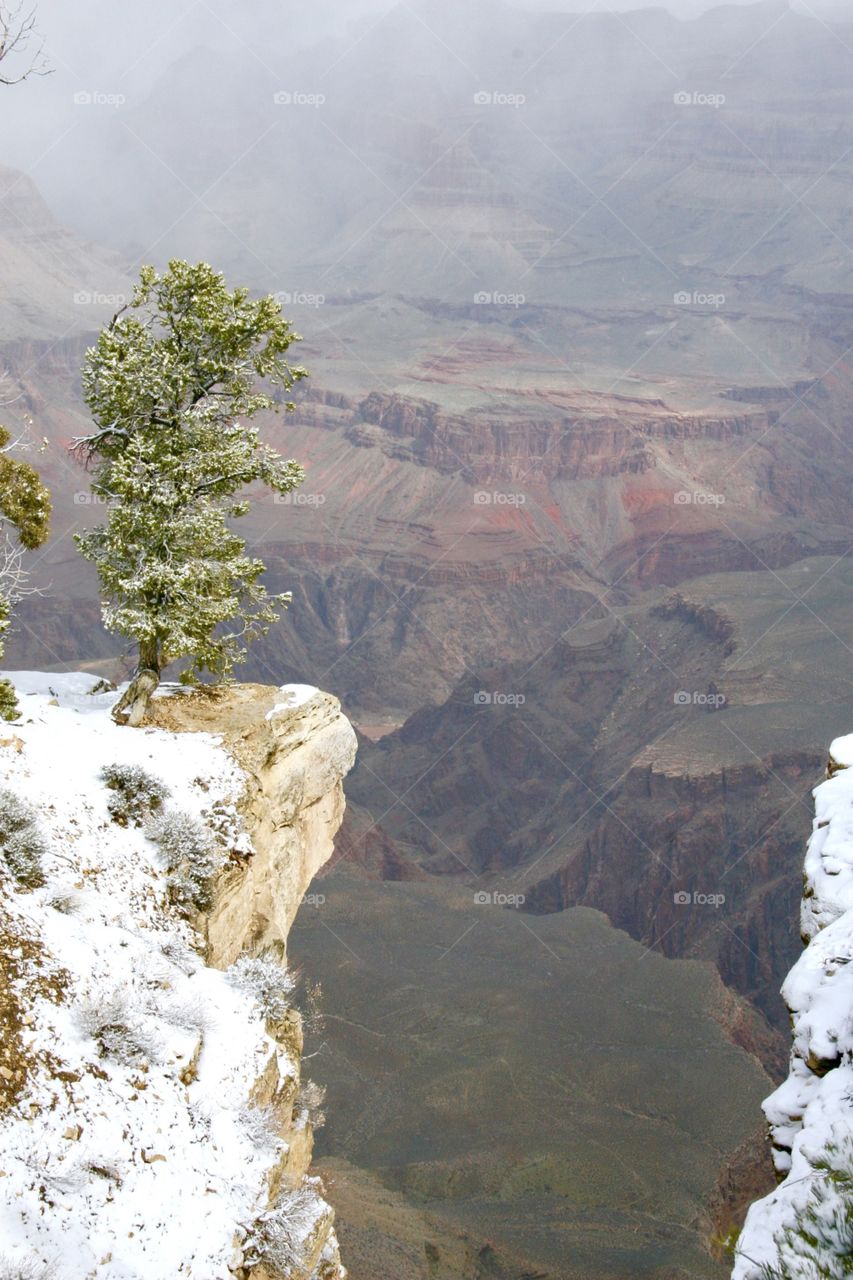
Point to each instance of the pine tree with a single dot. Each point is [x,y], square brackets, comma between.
[24,522]
[172,384]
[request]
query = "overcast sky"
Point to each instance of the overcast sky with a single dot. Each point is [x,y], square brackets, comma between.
[121,49]
[103,38]
[82,35]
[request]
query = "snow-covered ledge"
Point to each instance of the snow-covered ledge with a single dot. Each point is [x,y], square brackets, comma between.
[811,1114]
[152,1118]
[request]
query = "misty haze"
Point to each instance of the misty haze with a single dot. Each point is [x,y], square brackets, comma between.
[425,612]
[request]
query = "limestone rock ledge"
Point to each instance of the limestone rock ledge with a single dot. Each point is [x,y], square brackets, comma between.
[296,753]
[295,747]
[798,1230]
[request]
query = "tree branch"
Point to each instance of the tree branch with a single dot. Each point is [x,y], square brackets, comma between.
[17,30]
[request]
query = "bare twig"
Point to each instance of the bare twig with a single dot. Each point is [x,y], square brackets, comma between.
[18,34]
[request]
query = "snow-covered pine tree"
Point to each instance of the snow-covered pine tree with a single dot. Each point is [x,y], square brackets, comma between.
[172,385]
[24,522]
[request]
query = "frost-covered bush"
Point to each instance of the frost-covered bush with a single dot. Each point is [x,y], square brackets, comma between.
[309,1103]
[820,1244]
[25,1269]
[65,900]
[116,1023]
[182,956]
[191,855]
[21,842]
[282,1237]
[136,794]
[190,1012]
[267,981]
[261,1127]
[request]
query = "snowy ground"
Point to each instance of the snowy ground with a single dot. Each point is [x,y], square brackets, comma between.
[811,1114]
[138,1163]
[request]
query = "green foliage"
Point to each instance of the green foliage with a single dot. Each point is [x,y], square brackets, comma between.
[136,794]
[819,1246]
[24,508]
[21,842]
[9,709]
[166,385]
[24,501]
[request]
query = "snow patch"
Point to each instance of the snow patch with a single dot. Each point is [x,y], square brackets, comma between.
[128,1155]
[295,695]
[811,1113]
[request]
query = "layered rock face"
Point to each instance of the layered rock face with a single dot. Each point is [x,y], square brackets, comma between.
[295,747]
[803,1228]
[152,1049]
[655,765]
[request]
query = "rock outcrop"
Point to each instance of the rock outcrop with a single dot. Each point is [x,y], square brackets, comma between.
[148,882]
[295,747]
[803,1228]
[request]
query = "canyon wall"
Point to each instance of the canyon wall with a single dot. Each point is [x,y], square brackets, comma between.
[295,748]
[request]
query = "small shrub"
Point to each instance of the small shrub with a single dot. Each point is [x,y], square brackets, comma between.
[191,855]
[261,1128]
[820,1243]
[182,956]
[25,1269]
[21,842]
[64,900]
[9,709]
[189,1012]
[281,1237]
[116,1023]
[309,1103]
[266,981]
[136,794]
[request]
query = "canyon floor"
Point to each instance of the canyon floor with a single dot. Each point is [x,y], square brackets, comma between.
[512,1096]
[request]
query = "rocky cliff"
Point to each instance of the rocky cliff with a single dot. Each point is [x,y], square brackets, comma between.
[155,1119]
[804,1227]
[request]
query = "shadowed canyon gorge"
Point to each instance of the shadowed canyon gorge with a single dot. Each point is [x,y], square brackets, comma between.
[576,293]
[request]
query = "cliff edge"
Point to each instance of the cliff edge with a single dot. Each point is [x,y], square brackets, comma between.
[804,1229]
[154,1122]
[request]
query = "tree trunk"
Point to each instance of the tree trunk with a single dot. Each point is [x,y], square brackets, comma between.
[132,705]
